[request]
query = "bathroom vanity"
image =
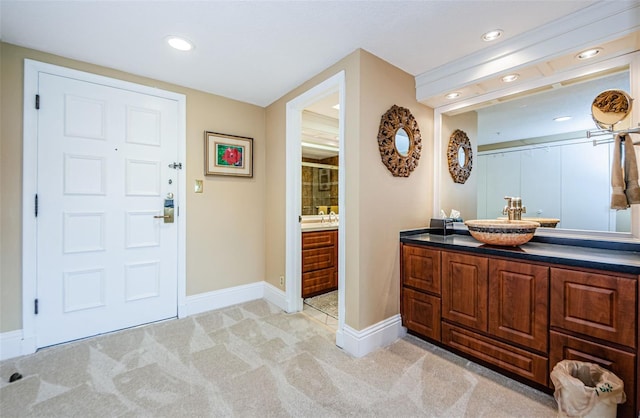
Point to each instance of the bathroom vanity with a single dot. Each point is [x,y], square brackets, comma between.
[319,260]
[520,310]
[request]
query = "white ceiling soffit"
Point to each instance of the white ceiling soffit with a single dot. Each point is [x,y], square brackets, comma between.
[538,53]
[257,51]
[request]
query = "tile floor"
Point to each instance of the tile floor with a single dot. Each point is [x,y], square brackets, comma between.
[323,318]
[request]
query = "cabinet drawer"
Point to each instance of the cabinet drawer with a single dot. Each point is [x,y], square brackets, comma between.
[318,239]
[528,365]
[518,296]
[421,268]
[465,289]
[318,259]
[318,281]
[597,305]
[622,364]
[421,313]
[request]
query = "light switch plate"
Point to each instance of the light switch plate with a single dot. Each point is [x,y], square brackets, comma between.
[198,186]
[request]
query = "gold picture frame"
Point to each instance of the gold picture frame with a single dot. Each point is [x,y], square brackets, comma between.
[227,155]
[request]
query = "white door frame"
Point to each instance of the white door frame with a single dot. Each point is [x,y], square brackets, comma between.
[293,267]
[29,184]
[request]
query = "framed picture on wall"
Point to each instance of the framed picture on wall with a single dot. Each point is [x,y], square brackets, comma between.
[324,179]
[227,155]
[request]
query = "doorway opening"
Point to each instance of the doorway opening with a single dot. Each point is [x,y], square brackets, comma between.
[315,196]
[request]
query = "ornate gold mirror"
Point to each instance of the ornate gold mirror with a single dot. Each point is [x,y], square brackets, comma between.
[459,156]
[610,108]
[399,141]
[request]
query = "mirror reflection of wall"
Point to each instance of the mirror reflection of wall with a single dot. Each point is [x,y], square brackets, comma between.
[552,165]
[402,142]
[320,156]
[319,186]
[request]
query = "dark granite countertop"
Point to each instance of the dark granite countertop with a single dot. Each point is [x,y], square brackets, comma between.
[621,258]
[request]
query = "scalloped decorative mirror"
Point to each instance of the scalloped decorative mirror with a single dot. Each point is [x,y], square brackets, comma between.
[399,141]
[459,156]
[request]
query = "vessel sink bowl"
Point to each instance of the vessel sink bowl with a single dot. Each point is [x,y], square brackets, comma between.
[544,222]
[502,232]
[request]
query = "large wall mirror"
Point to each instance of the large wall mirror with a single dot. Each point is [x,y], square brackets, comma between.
[534,144]
[320,157]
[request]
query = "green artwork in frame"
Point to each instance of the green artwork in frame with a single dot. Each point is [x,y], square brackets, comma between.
[228,155]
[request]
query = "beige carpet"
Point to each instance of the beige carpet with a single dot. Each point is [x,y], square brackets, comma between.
[327,303]
[252,360]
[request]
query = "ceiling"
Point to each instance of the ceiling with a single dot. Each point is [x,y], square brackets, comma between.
[532,116]
[257,51]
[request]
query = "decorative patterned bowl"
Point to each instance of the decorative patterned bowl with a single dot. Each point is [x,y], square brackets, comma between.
[544,222]
[502,232]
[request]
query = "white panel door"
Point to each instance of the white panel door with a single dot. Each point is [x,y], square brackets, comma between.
[104,260]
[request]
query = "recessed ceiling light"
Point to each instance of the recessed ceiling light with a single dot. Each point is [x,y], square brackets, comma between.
[336,107]
[589,53]
[492,35]
[562,118]
[453,95]
[180,44]
[510,77]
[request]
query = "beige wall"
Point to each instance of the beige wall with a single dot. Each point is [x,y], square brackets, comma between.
[225,224]
[462,197]
[377,205]
[276,169]
[387,204]
[236,228]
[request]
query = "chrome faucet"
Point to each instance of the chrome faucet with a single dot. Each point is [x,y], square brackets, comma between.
[333,218]
[514,208]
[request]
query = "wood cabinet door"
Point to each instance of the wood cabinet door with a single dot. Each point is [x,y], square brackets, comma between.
[319,239]
[518,298]
[621,363]
[421,313]
[318,282]
[597,305]
[465,289]
[318,259]
[421,268]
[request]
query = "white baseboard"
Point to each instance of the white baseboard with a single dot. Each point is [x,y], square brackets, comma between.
[218,299]
[361,343]
[13,345]
[275,296]
[356,343]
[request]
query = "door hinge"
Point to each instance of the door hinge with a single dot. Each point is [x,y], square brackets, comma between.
[37,101]
[36,205]
[35,306]
[176,166]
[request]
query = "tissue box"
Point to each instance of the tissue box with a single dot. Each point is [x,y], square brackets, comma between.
[441,226]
